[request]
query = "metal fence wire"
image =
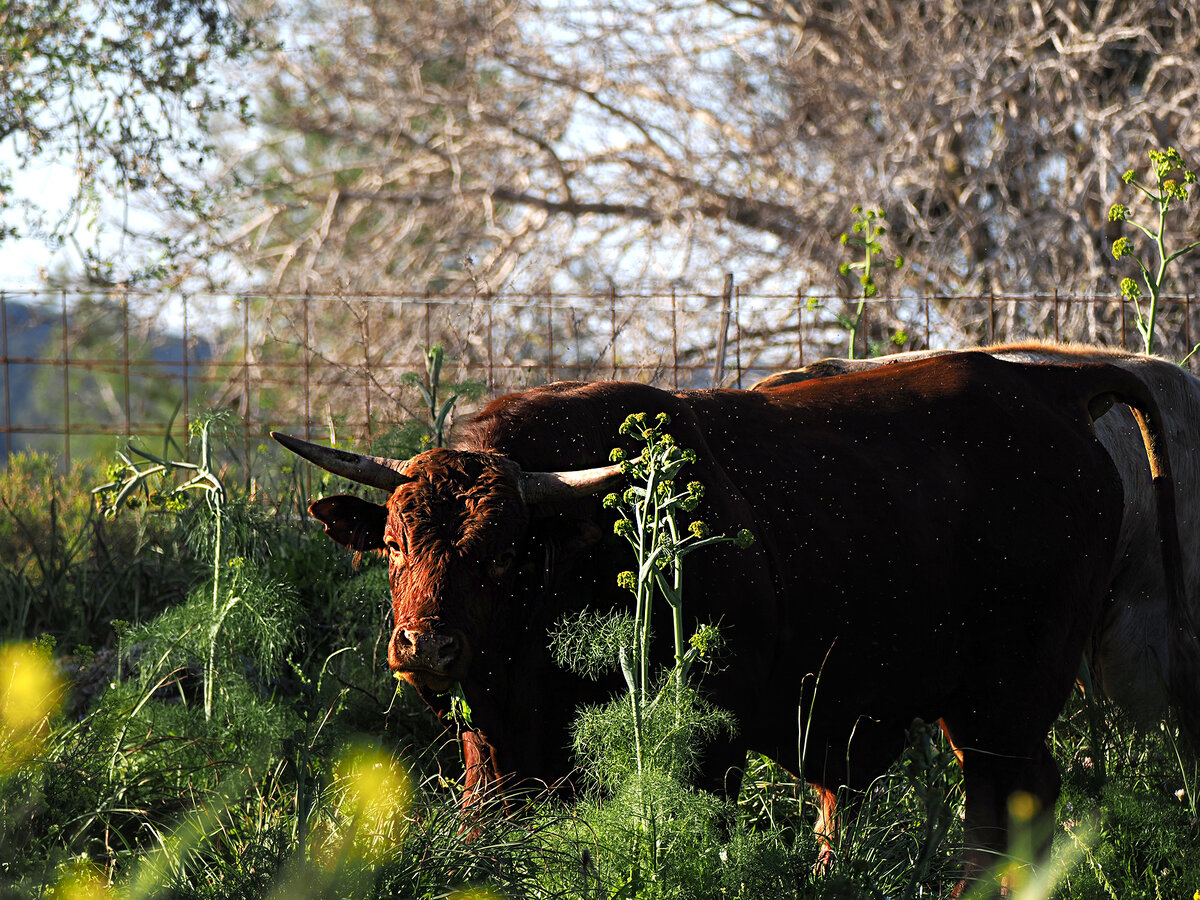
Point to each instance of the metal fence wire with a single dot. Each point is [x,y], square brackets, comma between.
[82,368]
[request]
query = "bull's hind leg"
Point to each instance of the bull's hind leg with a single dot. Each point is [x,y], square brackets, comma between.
[1010,802]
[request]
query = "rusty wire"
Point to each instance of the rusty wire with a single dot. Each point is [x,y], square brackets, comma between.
[120,363]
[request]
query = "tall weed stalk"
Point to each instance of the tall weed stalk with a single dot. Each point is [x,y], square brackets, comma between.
[644,746]
[1173,181]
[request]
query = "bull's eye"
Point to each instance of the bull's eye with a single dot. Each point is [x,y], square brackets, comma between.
[393,547]
[503,562]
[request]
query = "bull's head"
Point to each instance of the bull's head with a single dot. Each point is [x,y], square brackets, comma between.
[451,529]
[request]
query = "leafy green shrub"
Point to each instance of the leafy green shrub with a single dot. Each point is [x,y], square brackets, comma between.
[66,571]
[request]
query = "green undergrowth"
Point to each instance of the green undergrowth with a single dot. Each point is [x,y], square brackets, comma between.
[266,752]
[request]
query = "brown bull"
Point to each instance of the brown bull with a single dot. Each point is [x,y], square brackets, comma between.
[935,538]
[1144,653]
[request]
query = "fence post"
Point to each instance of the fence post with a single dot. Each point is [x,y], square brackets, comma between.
[800,327]
[674,339]
[612,325]
[246,382]
[723,330]
[550,335]
[991,316]
[66,386]
[7,378]
[1121,302]
[367,364]
[125,355]
[737,334]
[1187,324]
[491,363]
[186,378]
[866,327]
[307,387]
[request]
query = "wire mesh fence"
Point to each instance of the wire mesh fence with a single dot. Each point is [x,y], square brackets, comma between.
[79,369]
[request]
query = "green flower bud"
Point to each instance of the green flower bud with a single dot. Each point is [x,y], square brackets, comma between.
[1120,247]
[744,538]
[1118,213]
[706,640]
[623,528]
[610,501]
[1129,289]
[700,529]
[616,455]
[1129,177]
[628,581]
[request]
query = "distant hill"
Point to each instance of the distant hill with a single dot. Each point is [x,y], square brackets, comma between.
[33,402]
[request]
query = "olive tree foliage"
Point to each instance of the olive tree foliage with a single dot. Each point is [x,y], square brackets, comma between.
[120,95]
[663,141]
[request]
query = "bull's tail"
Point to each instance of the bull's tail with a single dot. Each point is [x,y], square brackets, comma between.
[1183,639]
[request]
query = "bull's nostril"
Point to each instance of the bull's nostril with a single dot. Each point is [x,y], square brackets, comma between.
[447,653]
[424,650]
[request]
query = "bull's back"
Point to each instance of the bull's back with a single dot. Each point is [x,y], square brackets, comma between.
[1129,651]
[916,468]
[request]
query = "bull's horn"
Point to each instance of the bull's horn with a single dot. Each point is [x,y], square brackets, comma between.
[551,487]
[377,471]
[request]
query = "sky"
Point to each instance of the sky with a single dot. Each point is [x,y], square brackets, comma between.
[24,261]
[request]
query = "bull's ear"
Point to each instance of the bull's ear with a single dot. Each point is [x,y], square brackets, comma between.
[352,521]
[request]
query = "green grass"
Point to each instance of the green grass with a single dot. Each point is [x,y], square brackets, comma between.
[314,777]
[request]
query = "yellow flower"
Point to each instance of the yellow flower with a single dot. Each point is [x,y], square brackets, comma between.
[30,693]
[80,880]
[375,796]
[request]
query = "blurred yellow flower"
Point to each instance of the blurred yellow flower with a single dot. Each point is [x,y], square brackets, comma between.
[81,880]
[1023,806]
[376,795]
[30,693]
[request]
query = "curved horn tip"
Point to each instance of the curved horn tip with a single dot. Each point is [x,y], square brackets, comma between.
[550,487]
[370,470]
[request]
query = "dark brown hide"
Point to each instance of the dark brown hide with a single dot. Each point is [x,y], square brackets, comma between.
[1144,653]
[935,537]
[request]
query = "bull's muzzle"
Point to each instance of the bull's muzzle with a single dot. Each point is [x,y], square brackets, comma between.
[426,658]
